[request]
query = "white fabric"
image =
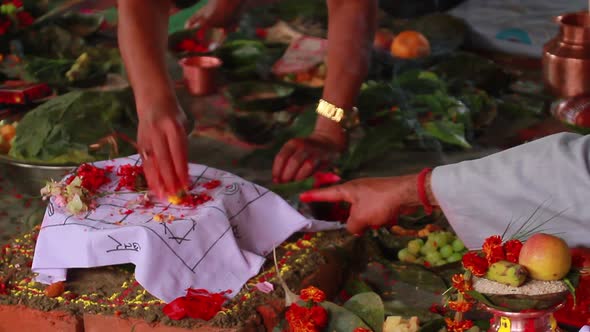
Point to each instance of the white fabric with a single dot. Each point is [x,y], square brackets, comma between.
[514,26]
[480,197]
[216,246]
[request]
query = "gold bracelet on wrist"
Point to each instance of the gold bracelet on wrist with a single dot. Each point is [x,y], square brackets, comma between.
[337,114]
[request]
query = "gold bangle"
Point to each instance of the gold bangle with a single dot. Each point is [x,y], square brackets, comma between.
[330,111]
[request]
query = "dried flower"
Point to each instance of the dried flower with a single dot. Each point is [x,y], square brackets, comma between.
[313,294]
[473,262]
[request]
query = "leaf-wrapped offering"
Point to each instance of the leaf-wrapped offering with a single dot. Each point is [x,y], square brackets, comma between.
[75,128]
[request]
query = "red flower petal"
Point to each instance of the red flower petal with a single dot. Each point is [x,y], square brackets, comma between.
[176,309]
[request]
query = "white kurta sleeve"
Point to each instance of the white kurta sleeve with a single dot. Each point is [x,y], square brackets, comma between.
[480,197]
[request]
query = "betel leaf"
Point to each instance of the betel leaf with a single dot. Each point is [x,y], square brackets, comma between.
[416,275]
[376,142]
[61,130]
[483,299]
[448,132]
[369,307]
[341,319]
[293,188]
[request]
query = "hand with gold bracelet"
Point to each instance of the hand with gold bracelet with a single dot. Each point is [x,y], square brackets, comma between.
[377,201]
[351,27]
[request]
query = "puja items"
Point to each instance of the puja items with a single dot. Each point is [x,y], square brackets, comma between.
[566,58]
[200,74]
[520,279]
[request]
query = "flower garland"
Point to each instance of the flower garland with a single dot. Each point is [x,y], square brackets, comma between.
[475,263]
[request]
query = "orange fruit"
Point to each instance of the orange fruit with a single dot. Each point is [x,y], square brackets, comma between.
[8,132]
[410,45]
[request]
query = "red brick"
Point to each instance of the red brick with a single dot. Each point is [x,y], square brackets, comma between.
[20,318]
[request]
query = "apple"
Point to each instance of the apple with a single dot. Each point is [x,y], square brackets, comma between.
[546,257]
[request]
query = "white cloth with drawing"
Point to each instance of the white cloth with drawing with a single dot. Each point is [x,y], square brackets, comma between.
[216,246]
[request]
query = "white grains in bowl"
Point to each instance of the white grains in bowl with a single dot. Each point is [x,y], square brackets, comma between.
[531,287]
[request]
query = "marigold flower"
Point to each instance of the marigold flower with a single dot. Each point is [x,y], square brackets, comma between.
[460,326]
[473,262]
[460,306]
[306,319]
[461,284]
[492,248]
[312,293]
[512,250]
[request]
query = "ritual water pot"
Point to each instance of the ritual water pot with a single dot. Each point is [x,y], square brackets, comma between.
[566,58]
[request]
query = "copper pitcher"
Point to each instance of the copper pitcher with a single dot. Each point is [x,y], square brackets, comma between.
[566,58]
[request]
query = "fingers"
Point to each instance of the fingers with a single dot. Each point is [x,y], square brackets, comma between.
[331,194]
[356,224]
[305,170]
[151,172]
[282,158]
[177,143]
[165,164]
[293,165]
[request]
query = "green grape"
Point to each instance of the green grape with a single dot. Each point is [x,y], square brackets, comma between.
[415,245]
[458,245]
[455,257]
[440,263]
[420,261]
[443,238]
[405,256]
[427,247]
[446,251]
[433,256]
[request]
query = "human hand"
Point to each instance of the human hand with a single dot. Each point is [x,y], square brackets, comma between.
[162,144]
[374,201]
[300,157]
[216,14]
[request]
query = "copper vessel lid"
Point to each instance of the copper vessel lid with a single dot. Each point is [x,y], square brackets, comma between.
[575,27]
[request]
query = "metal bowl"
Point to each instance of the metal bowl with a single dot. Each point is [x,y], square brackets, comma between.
[28,178]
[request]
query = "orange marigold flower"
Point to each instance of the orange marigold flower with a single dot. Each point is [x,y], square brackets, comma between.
[512,250]
[312,293]
[492,248]
[461,326]
[460,306]
[461,284]
[306,319]
[473,262]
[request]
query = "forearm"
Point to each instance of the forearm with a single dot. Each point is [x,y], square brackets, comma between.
[481,197]
[142,30]
[351,27]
